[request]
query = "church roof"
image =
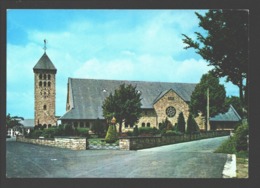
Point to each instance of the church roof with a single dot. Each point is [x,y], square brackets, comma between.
[88,95]
[231,115]
[44,64]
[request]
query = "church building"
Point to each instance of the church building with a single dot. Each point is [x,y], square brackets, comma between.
[160,100]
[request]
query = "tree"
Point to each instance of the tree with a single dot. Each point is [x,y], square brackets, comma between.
[98,128]
[12,121]
[192,126]
[124,105]
[181,123]
[135,131]
[241,134]
[165,125]
[111,135]
[217,95]
[226,45]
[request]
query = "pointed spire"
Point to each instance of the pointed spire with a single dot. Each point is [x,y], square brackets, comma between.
[45,48]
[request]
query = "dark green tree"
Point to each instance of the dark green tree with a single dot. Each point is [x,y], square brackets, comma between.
[98,128]
[135,131]
[165,125]
[217,96]
[241,134]
[12,121]
[181,123]
[124,105]
[192,126]
[224,45]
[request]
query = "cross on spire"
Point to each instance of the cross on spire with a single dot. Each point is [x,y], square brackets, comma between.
[45,45]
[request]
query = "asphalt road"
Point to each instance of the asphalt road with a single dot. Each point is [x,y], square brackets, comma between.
[184,160]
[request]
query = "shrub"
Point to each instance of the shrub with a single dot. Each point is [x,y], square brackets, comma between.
[49,133]
[145,131]
[111,135]
[68,130]
[192,126]
[165,125]
[241,137]
[229,146]
[129,133]
[35,133]
[136,131]
[172,133]
[83,132]
[181,123]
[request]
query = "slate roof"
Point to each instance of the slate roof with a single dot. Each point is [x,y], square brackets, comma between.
[27,123]
[87,95]
[44,63]
[231,116]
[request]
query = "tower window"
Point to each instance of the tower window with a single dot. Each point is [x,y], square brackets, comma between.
[143,124]
[44,83]
[44,76]
[44,107]
[148,124]
[40,76]
[49,84]
[40,83]
[49,76]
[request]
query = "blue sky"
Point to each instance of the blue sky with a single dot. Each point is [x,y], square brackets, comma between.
[99,44]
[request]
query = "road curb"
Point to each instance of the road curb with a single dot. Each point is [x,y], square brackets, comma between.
[230,167]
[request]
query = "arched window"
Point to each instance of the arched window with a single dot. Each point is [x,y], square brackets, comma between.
[148,124]
[49,84]
[44,83]
[81,124]
[44,107]
[143,124]
[40,76]
[44,76]
[49,125]
[49,76]
[40,83]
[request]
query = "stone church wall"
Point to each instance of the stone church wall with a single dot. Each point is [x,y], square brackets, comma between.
[171,99]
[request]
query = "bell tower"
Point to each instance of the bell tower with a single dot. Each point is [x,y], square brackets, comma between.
[44,91]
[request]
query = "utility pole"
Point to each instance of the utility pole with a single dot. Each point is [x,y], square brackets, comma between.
[208,126]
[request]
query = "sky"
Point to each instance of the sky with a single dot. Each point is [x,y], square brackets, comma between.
[140,45]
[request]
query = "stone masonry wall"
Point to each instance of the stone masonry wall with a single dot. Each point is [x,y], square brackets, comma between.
[171,99]
[68,143]
[135,143]
[43,116]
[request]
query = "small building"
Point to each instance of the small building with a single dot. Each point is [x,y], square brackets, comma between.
[27,125]
[225,121]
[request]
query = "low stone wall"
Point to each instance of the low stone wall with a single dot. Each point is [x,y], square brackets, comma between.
[72,143]
[135,143]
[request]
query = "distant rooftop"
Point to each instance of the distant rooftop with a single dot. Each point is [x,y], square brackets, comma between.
[231,115]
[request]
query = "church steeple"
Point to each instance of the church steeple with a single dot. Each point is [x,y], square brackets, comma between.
[44,91]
